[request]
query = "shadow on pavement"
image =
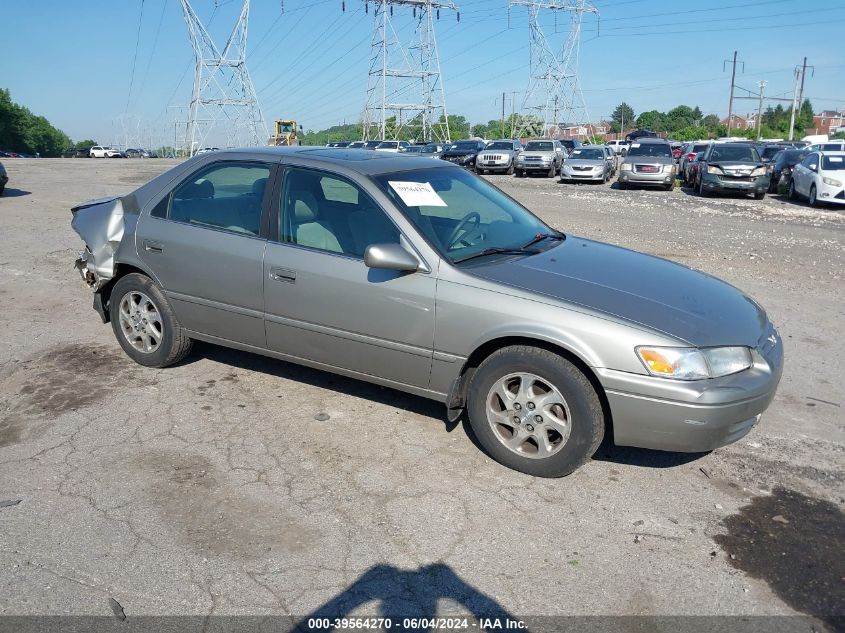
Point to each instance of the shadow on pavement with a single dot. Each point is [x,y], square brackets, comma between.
[409,595]
[14,193]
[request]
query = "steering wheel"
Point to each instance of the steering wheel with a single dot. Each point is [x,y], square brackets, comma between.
[457,235]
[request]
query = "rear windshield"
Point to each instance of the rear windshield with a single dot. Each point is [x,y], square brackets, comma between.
[539,146]
[587,154]
[793,156]
[650,149]
[735,152]
[768,152]
[833,163]
[699,148]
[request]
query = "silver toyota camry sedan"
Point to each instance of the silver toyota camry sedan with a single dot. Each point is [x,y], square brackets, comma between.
[418,275]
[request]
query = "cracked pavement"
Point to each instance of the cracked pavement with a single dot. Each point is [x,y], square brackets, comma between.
[212,488]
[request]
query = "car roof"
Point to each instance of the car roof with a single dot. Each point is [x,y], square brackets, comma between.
[359,160]
[652,139]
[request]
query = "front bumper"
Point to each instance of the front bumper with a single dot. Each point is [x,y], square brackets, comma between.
[693,416]
[499,165]
[535,165]
[567,173]
[463,161]
[720,184]
[829,193]
[655,179]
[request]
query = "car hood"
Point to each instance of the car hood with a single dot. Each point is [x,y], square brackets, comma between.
[740,167]
[652,292]
[583,162]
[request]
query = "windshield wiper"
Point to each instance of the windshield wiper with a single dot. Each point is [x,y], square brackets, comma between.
[495,250]
[543,236]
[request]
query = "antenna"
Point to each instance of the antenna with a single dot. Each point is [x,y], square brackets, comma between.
[223,102]
[404,86]
[554,89]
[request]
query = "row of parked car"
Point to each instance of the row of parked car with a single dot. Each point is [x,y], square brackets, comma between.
[104,151]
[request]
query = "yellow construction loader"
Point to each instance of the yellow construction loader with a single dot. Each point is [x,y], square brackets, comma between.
[286,133]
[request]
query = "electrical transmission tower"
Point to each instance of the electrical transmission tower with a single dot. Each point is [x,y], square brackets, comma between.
[554,90]
[223,104]
[404,88]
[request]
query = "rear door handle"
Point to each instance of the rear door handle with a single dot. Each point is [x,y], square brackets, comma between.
[153,247]
[283,274]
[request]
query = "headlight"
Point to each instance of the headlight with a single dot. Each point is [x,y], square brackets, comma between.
[598,168]
[712,169]
[760,171]
[668,169]
[519,159]
[689,363]
[831,182]
[625,167]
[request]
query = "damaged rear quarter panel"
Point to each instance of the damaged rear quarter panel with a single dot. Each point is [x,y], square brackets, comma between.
[107,230]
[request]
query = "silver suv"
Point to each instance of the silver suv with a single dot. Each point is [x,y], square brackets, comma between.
[498,156]
[649,162]
[543,155]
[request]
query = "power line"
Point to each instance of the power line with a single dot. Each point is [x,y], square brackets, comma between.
[152,52]
[134,57]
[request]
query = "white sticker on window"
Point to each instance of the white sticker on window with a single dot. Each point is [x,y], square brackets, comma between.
[835,159]
[417,194]
[635,144]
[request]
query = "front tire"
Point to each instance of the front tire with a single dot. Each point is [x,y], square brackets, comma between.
[759,195]
[552,171]
[144,323]
[812,198]
[509,172]
[534,411]
[791,193]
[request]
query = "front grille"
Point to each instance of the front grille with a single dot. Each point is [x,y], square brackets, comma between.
[577,168]
[647,169]
[732,178]
[533,158]
[492,157]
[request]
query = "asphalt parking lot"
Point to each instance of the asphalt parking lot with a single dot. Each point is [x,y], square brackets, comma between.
[234,484]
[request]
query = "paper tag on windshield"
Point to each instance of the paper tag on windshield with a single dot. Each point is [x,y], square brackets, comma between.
[417,194]
[635,144]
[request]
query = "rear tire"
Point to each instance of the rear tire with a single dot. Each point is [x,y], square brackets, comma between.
[159,340]
[561,417]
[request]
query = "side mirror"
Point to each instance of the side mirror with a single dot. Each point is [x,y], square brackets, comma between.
[390,257]
[814,167]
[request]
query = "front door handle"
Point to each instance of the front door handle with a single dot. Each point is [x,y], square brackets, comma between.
[153,247]
[283,274]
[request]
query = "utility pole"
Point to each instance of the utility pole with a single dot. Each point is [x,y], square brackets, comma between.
[794,106]
[733,82]
[762,85]
[503,115]
[513,113]
[801,91]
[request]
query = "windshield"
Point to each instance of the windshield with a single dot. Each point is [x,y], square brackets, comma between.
[539,146]
[700,147]
[459,213]
[430,149]
[500,145]
[650,149]
[372,144]
[833,163]
[465,145]
[587,154]
[414,149]
[734,152]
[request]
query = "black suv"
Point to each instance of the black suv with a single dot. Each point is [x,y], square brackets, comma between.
[463,153]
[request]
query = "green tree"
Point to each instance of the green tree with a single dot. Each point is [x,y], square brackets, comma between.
[479,130]
[622,116]
[651,120]
[85,143]
[711,122]
[23,131]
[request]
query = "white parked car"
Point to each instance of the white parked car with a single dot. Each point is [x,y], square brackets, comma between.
[393,146]
[619,147]
[206,150]
[836,145]
[102,151]
[820,177]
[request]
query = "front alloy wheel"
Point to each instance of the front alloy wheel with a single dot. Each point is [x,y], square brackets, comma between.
[528,415]
[140,322]
[534,411]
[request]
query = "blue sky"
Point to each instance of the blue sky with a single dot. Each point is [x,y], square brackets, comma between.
[72,61]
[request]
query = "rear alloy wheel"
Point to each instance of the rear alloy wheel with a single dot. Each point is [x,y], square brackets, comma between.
[812,199]
[144,323]
[534,411]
